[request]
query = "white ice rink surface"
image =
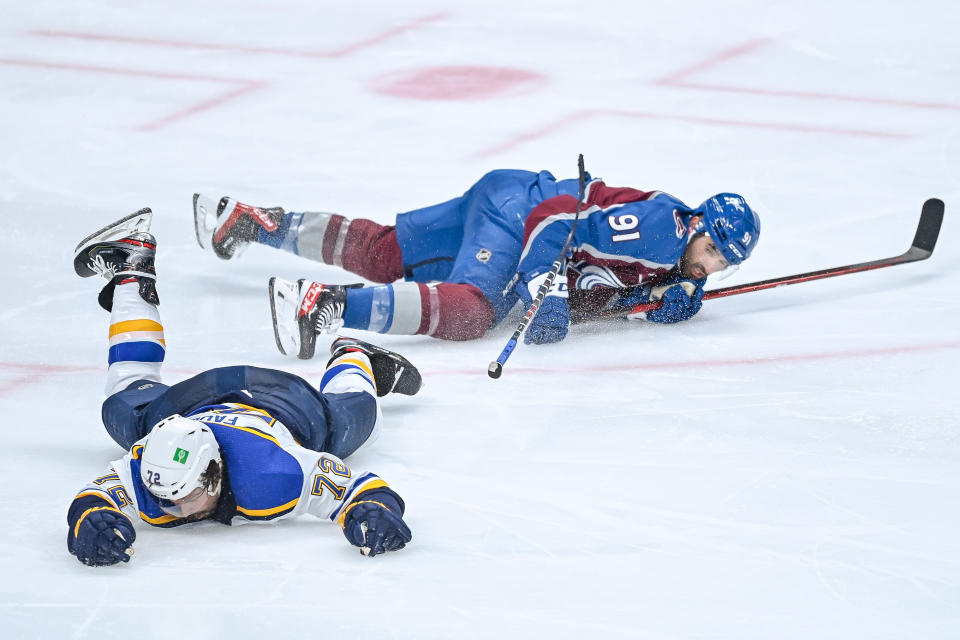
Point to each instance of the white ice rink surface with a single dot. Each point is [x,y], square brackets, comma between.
[784,465]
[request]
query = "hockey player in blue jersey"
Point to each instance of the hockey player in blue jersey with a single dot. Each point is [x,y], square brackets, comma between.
[466,262]
[233,442]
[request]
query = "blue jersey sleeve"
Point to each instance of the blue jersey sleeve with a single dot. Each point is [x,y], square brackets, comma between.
[651,232]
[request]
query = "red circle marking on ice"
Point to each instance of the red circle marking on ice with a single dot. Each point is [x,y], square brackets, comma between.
[454,83]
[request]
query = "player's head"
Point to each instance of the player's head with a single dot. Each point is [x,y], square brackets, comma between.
[725,231]
[732,224]
[181,466]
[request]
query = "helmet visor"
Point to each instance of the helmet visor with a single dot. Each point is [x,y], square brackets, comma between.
[726,272]
[197,501]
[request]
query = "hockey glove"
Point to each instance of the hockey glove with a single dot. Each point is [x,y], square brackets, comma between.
[552,319]
[102,536]
[374,523]
[681,301]
[551,322]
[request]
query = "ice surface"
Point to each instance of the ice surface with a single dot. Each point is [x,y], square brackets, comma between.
[785,465]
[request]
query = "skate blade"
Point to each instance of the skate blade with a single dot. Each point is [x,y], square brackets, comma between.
[204,219]
[139,221]
[284,299]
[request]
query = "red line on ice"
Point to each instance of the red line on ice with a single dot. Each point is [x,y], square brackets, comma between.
[182,44]
[386,35]
[737,362]
[481,370]
[555,126]
[35,373]
[140,73]
[676,80]
[818,96]
[244,86]
[202,106]
[40,372]
[734,52]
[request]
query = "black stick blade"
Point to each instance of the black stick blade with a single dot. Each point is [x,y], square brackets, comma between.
[931,217]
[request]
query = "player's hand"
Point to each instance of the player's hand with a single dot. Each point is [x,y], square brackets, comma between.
[681,301]
[103,536]
[551,322]
[375,528]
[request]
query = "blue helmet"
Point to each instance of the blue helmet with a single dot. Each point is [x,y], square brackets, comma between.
[732,224]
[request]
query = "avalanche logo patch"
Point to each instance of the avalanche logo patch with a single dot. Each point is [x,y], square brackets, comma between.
[484,255]
[593,276]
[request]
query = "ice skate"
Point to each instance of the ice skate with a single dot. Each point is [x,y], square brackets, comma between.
[124,250]
[125,246]
[228,226]
[303,309]
[392,372]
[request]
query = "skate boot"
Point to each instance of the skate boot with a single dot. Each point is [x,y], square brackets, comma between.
[391,371]
[303,309]
[228,226]
[121,252]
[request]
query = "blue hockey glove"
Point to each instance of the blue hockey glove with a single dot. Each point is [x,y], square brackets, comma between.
[371,525]
[677,303]
[553,317]
[102,536]
[551,322]
[638,295]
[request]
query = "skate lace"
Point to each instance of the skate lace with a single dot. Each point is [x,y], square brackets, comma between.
[100,266]
[328,315]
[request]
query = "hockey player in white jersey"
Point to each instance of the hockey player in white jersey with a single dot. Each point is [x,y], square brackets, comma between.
[230,443]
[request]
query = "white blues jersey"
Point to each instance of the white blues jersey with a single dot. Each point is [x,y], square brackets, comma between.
[268,474]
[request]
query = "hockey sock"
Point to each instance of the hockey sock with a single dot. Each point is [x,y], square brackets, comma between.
[362,247]
[391,308]
[447,310]
[137,346]
[463,312]
[313,235]
[281,238]
[352,372]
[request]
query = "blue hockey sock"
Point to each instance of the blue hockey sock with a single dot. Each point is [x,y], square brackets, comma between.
[389,308]
[311,234]
[285,237]
[359,308]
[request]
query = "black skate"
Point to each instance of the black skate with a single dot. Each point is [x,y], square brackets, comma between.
[120,252]
[229,226]
[392,372]
[303,309]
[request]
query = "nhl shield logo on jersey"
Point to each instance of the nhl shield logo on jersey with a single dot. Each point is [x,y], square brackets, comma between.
[484,255]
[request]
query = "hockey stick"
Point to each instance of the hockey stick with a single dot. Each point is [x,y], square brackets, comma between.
[495,368]
[925,239]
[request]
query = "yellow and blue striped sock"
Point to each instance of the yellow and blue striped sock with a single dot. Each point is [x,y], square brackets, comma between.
[137,345]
